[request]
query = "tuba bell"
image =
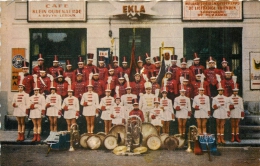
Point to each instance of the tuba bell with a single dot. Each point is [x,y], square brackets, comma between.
[193,133]
[74,136]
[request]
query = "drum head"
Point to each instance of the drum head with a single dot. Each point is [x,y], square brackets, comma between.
[83,140]
[180,139]
[154,142]
[110,142]
[141,149]
[94,141]
[163,136]
[147,130]
[102,135]
[119,150]
[171,143]
[122,132]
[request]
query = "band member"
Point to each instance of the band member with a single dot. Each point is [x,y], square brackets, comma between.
[210,75]
[137,85]
[37,110]
[53,108]
[27,78]
[55,68]
[140,66]
[182,106]
[156,115]
[121,84]
[69,72]
[61,85]
[103,72]
[157,64]
[168,113]
[146,101]
[228,83]
[70,106]
[113,79]
[155,85]
[98,85]
[126,69]
[201,104]
[79,86]
[90,65]
[237,112]
[36,69]
[105,106]
[136,111]
[148,66]
[196,65]
[90,103]
[81,69]
[117,69]
[174,68]
[224,67]
[21,102]
[221,112]
[126,100]
[197,84]
[184,71]
[186,85]
[43,83]
[170,84]
[117,112]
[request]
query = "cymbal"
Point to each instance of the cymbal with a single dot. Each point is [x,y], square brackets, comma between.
[119,150]
[141,149]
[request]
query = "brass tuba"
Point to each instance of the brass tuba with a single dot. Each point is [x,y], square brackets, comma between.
[74,136]
[193,133]
[133,132]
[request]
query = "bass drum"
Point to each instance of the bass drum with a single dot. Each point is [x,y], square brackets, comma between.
[154,142]
[83,140]
[180,139]
[171,143]
[147,130]
[110,142]
[102,136]
[163,136]
[94,142]
[118,130]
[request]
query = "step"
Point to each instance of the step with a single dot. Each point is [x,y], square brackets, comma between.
[249,127]
[250,135]
[244,142]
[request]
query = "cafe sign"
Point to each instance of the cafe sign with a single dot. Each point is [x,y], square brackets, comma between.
[212,10]
[56,11]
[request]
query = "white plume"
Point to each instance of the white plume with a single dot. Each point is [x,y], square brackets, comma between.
[90,76]
[165,81]
[109,79]
[117,90]
[68,80]
[126,77]
[234,78]
[145,77]
[50,76]
[181,79]
[218,78]
[21,77]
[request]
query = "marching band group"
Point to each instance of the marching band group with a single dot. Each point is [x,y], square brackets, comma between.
[89,90]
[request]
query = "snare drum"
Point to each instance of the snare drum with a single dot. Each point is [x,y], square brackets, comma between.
[163,136]
[94,141]
[147,130]
[110,142]
[83,140]
[171,143]
[153,142]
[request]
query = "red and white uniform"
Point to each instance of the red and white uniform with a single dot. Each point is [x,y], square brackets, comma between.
[39,105]
[237,101]
[70,74]
[158,113]
[122,87]
[210,75]
[182,72]
[61,88]
[119,114]
[55,102]
[137,87]
[228,85]
[89,68]
[73,106]
[138,113]
[155,86]
[22,101]
[196,84]
[157,70]
[79,88]
[114,81]
[103,73]
[126,101]
[36,70]
[92,103]
[174,69]
[188,88]
[149,67]
[196,67]
[204,106]
[106,102]
[98,86]
[44,84]
[221,101]
[126,71]
[85,74]
[168,109]
[117,70]
[27,82]
[184,103]
[54,69]
[146,103]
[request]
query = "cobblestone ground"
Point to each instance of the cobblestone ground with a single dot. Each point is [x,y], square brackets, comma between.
[35,155]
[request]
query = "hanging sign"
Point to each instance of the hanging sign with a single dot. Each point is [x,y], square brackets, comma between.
[18,55]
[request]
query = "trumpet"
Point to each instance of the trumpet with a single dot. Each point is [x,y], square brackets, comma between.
[74,136]
[193,133]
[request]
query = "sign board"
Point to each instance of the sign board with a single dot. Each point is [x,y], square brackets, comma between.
[18,55]
[254,70]
[56,11]
[212,10]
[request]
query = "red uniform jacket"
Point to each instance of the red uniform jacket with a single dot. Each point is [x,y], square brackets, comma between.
[196,84]
[53,70]
[127,71]
[61,88]
[70,74]
[89,68]
[84,72]
[193,68]
[155,86]
[210,75]
[122,87]
[188,89]
[171,86]
[36,70]
[138,113]
[137,87]
[98,86]
[79,88]
[44,83]
[117,70]
[174,69]
[103,73]
[228,85]
[148,68]
[114,81]
[182,72]
[27,82]
[157,70]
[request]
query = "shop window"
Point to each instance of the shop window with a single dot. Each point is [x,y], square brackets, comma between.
[68,44]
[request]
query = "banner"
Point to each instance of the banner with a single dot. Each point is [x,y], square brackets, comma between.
[254,70]
[18,55]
